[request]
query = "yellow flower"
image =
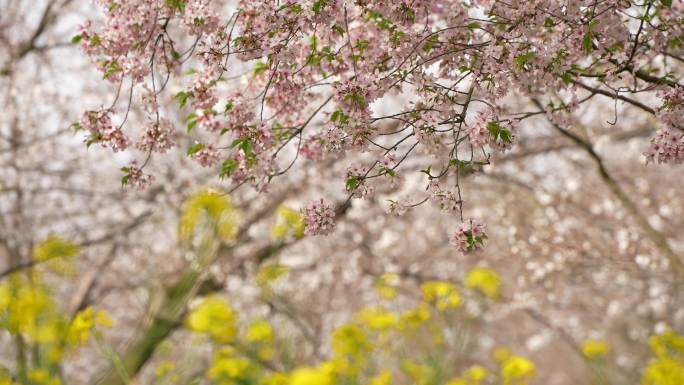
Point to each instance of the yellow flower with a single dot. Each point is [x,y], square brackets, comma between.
[270,272]
[382,378]
[484,280]
[475,374]
[420,374]
[228,367]
[663,371]
[164,368]
[54,247]
[502,353]
[457,381]
[386,285]
[290,223]
[208,208]
[216,318]
[517,370]
[5,378]
[5,296]
[442,294]
[377,318]
[593,349]
[414,318]
[55,354]
[668,366]
[350,340]
[58,253]
[276,379]
[667,344]
[321,375]
[472,376]
[84,323]
[259,331]
[43,377]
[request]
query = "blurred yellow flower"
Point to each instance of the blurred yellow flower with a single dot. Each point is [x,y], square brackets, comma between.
[276,379]
[667,368]
[377,318]
[517,370]
[442,294]
[270,272]
[208,208]
[164,368]
[593,349]
[382,378]
[484,280]
[214,317]
[414,318]
[350,340]
[259,331]
[85,322]
[456,381]
[386,285]
[420,374]
[321,375]
[663,371]
[290,224]
[666,344]
[228,368]
[43,377]
[54,247]
[475,374]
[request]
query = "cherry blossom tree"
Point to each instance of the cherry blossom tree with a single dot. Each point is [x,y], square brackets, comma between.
[520,129]
[389,88]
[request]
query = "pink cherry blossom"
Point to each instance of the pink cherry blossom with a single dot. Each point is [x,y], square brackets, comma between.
[319,218]
[469,236]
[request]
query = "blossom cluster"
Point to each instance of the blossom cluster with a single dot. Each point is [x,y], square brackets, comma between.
[317,70]
[319,218]
[469,236]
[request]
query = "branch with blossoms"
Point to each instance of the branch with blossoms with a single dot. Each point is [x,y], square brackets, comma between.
[273,83]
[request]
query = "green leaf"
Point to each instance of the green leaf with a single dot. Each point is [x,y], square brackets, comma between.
[111,68]
[499,133]
[76,39]
[318,5]
[191,125]
[228,167]
[473,25]
[260,67]
[587,42]
[352,183]
[427,170]
[567,77]
[95,40]
[177,5]
[191,120]
[182,98]
[667,3]
[460,164]
[523,59]
[246,146]
[338,29]
[195,148]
